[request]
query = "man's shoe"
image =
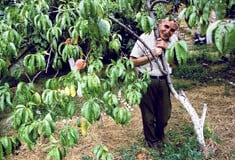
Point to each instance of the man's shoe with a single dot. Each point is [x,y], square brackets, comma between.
[153,145]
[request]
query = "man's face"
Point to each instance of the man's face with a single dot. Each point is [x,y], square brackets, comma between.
[167,28]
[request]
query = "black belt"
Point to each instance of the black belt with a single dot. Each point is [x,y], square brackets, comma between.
[158,77]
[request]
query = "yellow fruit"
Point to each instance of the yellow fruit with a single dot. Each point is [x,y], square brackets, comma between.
[72,91]
[67,91]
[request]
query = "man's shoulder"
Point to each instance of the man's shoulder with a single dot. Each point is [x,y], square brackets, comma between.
[147,34]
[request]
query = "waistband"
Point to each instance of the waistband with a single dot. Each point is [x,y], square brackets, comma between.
[158,77]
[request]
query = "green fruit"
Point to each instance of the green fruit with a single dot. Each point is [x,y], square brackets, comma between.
[37,98]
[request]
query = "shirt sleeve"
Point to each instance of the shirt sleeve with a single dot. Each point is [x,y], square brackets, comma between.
[138,50]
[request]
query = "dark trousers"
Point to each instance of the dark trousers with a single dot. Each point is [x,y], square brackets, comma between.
[155,107]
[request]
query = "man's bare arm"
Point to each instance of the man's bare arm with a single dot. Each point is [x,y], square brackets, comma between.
[146,58]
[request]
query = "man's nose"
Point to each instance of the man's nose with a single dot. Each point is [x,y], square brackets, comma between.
[168,30]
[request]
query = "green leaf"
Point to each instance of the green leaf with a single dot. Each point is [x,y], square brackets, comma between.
[192,20]
[184,45]
[206,11]
[220,9]
[91,110]
[219,38]
[231,37]
[213,26]
[2,103]
[7,145]
[55,154]
[181,52]
[47,126]
[96,149]
[104,27]
[8,98]
[150,24]
[115,45]
[203,27]
[74,134]
[170,54]
[181,14]
[12,49]
[1,151]
[231,2]
[68,136]
[109,156]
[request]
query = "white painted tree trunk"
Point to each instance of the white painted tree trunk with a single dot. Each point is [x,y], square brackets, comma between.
[72,64]
[198,122]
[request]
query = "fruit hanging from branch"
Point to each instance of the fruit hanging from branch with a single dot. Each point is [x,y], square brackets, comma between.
[80,64]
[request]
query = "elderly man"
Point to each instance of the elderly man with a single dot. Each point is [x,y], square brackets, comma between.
[155,104]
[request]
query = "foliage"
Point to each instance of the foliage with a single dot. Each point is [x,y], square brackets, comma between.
[223,32]
[203,54]
[101,152]
[8,145]
[177,52]
[192,72]
[209,133]
[197,15]
[37,39]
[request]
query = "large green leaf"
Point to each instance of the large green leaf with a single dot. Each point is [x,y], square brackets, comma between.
[104,27]
[219,38]
[170,54]
[231,39]
[177,51]
[91,110]
[7,145]
[213,26]
[1,151]
[181,14]
[181,52]
[192,20]
[55,153]
[206,11]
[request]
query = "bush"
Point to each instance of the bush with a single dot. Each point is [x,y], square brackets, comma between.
[191,72]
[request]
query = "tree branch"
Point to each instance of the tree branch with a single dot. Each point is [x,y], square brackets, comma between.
[133,33]
[48,60]
[157,1]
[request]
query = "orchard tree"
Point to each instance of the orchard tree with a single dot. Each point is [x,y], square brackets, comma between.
[40,38]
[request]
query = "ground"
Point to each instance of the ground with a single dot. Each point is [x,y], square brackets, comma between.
[220,116]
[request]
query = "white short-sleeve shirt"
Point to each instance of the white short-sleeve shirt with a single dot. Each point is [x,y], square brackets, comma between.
[139,50]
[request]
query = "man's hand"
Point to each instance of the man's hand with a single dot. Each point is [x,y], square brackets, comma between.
[157,51]
[162,43]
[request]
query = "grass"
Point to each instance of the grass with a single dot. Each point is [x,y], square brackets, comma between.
[184,84]
[195,72]
[184,146]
